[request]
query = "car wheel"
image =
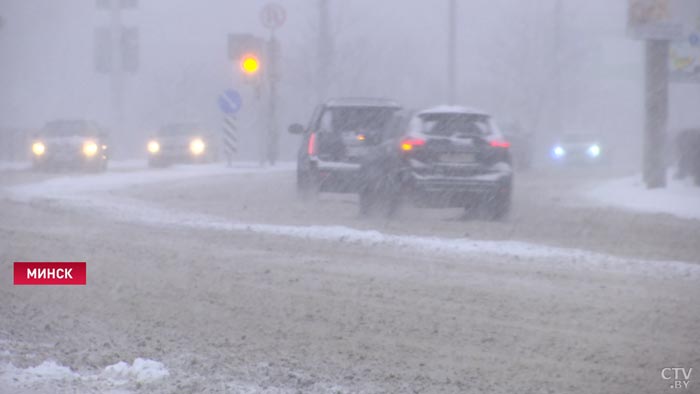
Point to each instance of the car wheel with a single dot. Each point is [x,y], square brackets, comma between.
[499,205]
[307,185]
[383,198]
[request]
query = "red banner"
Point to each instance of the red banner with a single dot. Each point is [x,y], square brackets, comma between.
[50,273]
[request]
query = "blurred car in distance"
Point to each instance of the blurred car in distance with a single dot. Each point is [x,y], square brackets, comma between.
[187,142]
[580,148]
[446,156]
[339,134]
[74,143]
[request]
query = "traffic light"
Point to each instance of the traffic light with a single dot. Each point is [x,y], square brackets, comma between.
[250,64]
[248,51]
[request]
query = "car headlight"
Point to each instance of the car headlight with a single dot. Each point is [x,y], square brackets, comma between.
[594,150]
[90,149]
[38,148]
[153,147]
[197,146]
[558,151]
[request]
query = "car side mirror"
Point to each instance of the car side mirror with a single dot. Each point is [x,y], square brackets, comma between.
[296,128]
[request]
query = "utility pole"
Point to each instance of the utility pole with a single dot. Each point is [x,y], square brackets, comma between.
[117,70]
[656,105]
[324,51]
[451,51]
[557,112]
[116,53]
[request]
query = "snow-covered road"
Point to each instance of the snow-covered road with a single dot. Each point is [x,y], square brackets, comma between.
[220,280]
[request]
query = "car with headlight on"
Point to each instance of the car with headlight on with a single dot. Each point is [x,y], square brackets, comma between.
[447,156]
[580,148]
[74,143]
[182,143]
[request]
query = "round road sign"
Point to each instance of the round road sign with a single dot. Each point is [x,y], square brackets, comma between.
[273,15]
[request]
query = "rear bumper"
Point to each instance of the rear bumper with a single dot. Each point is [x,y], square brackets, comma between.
[440,191]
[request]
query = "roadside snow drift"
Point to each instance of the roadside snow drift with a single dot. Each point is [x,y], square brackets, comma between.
[90,192]
[679,198]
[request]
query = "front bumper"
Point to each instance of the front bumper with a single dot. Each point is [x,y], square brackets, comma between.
[68,160]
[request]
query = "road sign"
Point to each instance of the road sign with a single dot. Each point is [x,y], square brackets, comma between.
[662,19]
[273,16]
[230,102]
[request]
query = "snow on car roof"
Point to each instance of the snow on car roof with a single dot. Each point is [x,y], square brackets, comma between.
[452,109]
[361,102]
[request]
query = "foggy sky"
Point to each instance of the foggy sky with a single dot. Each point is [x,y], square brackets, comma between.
[507,60]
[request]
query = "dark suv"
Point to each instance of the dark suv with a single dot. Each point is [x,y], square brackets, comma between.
[442,157]
[339,135]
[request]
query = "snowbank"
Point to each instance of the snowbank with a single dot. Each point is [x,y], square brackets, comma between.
[141,371]
[679,198]
[48,370]
[77,184]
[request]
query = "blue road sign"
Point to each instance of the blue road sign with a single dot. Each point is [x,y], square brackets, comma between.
[230,102]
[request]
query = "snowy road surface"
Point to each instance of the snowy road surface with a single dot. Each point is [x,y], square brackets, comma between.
[206,279]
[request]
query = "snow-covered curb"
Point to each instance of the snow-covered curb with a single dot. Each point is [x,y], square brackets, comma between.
[142,371]
[88,192]
[679,198]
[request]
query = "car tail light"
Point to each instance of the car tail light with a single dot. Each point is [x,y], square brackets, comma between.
[500,144]
[411,143]
[311,148]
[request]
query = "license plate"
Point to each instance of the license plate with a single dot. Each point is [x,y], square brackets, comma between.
[457,158]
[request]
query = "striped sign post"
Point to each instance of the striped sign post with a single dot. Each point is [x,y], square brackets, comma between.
[230,103]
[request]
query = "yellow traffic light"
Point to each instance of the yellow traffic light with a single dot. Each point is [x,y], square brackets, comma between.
[250,64]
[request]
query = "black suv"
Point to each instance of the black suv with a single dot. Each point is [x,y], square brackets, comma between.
[340,134]
[70,143]
[442,157]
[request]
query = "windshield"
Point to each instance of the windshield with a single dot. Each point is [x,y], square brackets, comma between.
[357,119]
[450,124]
[68,129]
[578,138]
[175,130]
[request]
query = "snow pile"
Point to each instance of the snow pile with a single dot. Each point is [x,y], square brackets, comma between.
[48,370]
[679,198]
[50,374]
[78,184]
[141,371]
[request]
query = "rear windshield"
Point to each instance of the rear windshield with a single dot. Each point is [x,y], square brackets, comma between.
[364,119]
[450,124]
[69,129]
[180,130]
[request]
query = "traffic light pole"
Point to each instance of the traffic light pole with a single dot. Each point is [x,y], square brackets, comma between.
[272,77]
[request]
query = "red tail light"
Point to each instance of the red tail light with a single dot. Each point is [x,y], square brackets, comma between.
[410,143]
[500,144]
[311,148]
